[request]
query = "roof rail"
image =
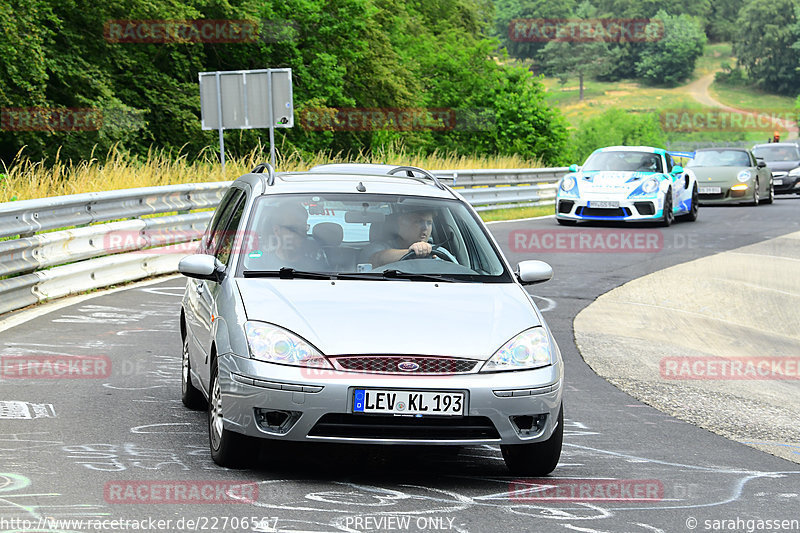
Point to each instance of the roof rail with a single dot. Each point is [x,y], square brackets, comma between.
[261,167]
[421,171]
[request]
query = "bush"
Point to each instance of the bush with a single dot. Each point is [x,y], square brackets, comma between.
[616,127]
[671,59]
[733,76]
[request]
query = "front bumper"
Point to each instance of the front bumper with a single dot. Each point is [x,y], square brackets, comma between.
[788,184]
[726,195]
[629,210]
[316,405]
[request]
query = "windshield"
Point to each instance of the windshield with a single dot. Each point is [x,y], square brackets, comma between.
[624,161]
[720,158]
[368,237]
[777,153]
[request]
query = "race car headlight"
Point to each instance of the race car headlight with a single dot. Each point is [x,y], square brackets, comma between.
[529,349]
[276,345]
[795,172]
[568,183]
[743,176]
[650,186]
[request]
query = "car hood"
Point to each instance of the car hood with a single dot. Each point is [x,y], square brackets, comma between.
[611,182]
[392,317]
[717,174]
[783,165]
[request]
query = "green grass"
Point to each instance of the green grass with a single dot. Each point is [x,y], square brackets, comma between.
[751,99]
[636,97]
[714,55]
[494,215]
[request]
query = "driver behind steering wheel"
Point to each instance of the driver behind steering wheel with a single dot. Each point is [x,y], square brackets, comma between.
[410,235]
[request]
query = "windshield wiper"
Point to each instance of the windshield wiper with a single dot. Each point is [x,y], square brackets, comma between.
[288,273]
[399,274]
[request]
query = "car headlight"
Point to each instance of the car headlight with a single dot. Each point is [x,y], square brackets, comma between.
[276,345]
[650,186]
[529,349]
[567,183]
[743,176]
[795,172]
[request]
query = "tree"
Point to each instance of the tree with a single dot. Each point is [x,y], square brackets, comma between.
[566,58]
[765,44]
[510,16]
[616,127]
[671,59]
[721,24]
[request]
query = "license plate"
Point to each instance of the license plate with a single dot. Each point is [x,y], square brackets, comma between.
[604,204]
[777,181]
[403,402]
[710,190]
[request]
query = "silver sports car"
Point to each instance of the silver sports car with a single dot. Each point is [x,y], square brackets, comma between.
[373,308]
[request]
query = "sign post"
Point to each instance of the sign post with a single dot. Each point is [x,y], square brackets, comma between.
[247,99]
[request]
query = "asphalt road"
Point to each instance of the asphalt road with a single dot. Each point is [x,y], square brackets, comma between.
[74,449]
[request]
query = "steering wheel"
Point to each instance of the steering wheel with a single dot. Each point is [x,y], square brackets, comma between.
[437,250]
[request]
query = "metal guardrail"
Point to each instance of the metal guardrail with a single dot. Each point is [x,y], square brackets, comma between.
[94,252]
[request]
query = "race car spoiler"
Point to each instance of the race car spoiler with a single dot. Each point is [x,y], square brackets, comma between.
[688,155]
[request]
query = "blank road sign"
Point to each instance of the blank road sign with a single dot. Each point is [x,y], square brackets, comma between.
[246,99]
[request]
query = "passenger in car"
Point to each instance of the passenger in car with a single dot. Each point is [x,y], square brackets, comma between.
[287,241]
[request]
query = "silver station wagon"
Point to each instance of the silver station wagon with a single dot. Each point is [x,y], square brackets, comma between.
[365,305]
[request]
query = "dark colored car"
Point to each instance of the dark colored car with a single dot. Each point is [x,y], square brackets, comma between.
[783,159]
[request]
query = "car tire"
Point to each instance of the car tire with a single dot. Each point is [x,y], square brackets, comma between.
[755,200]
[771,198]
[668,216]
[566,222]
[190,395]
[228,448]
[691,216]
[538,458]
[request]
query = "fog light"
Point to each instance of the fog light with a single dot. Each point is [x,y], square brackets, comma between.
[529,425]
[739,187]
[275,421]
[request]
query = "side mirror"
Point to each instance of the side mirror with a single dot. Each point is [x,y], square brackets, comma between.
[677,169]
[530,272]
[201,266]
[573,168]
[760,163]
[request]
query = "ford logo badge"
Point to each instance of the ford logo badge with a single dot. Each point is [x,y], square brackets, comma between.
[408,366]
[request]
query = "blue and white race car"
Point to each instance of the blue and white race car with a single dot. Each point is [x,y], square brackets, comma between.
[627,183]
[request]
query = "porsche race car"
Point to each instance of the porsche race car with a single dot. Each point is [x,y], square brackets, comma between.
[630,184]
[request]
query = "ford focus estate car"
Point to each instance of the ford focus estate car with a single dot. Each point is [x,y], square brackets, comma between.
[368,308]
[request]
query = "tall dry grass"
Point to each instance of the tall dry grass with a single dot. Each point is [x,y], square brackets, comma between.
[26,179]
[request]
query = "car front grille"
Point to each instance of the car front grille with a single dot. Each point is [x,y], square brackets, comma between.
[712,196]
[391,364]
[362,426]
[604,212]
